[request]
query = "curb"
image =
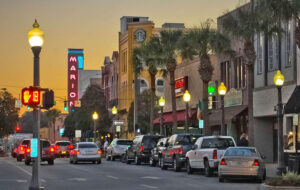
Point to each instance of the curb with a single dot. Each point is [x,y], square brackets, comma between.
[264,186]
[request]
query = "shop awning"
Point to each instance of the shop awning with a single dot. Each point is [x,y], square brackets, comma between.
[293,104]
[230,112]
[169,119]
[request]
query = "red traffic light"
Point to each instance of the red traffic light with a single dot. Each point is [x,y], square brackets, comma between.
[31,96]
[18,128]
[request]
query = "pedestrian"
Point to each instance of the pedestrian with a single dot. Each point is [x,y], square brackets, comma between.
[105,146]
[243,140]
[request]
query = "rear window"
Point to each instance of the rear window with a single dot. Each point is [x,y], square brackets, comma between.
[63,143]
[220,143]
[87,146]
[150,141]
[124,142]
[243,152]
[45,144]
[26,142]
[184,140]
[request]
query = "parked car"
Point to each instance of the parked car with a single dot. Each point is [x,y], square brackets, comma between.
[47,153]
[156,153]
[14,152]
[86,152]
[21,149]
[63,148]
[178,145]
[140,151]
[207,153]
[242,162]
[117,148]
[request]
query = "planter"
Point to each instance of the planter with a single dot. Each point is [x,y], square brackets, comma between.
[264,186]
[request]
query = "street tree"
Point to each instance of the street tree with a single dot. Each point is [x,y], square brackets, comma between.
[27,122]
[8,113]
[52,114]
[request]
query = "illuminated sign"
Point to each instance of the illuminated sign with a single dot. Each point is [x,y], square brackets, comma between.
[181,85]
[31,96]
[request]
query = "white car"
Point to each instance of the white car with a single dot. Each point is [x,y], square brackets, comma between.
[117,148]
[86,152]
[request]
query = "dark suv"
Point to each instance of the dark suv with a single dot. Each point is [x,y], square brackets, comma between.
[140,151]
[174,155]
[47,153]
[156,152]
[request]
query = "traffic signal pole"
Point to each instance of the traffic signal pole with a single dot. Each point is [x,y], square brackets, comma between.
[35,179]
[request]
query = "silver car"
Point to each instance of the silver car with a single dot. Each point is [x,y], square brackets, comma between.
[86,152]
[117,148]
[242,162]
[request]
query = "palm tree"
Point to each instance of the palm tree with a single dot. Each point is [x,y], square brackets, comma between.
[169,42]
[202,41]
[52,115]
[151,59]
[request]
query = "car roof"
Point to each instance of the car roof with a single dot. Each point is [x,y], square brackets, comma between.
[217,136]
[86,143]
[123,140]
[244,147]
[61,141]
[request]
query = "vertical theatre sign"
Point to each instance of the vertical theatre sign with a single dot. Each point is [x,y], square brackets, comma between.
[72,80]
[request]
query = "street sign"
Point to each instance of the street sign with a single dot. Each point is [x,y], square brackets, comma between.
[18,104]
[61,131]
[201,124]
[78,133]
[295,119]
[118,128]
[34,147]
[119,122]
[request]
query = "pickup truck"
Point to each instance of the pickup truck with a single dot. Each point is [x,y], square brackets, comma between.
[207,152]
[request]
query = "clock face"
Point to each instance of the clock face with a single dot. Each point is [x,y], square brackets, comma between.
[140,35]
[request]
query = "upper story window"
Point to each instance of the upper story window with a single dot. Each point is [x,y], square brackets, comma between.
[225,73]
[288,43]
[240,73]
[273,55]
[159,87]
[259,56]
[143,85]
[124,60]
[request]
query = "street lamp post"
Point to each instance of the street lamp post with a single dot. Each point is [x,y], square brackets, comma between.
[222,92]
[279,81]
[161,103]
[36,40]
[114,111]
[95,117]
[186,99]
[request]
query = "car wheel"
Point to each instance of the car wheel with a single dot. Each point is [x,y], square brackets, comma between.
[19,159]
[99,162]
[107,158]
[50,162]
[163,166]
[71,161]
[127,160]
[176,166]
[137,160]
[113,158]
[221,179]
[94,162]
[27,162]
[75,162]
[189,169]
[208,171]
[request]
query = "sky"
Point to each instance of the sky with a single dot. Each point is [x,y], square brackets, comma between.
[89,24]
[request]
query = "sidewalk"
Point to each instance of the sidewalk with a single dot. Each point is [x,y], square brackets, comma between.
[271,169]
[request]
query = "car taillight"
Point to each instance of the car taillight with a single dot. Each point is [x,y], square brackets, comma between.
[28,150]
[215,154]
[52,149]
[256,163]
[15,150]
[223,162]
[70,147]
[180,150]
[99,152]
[77,152]
[141,148]
[170,152]
[56,147]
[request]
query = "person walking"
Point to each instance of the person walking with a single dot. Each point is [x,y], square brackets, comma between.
[105,146]
[243,140]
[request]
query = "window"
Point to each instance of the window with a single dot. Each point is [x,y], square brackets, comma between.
[143,85]
[241,152]
[159,87]
[259,53]
[124,60]
[220,143]
[288,43]
[273,55]
[62,143]
[225,73]
[124,142]
[88,145]
[240,75]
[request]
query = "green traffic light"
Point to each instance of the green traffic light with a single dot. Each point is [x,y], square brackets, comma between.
[65,108]
[28,107]
[211,90]
[55,103]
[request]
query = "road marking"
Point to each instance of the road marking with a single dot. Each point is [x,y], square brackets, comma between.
[77,179]
[113,177]
[21,181]
[150,177]
[79,168]
[149,186]
[15,180]
[25,171]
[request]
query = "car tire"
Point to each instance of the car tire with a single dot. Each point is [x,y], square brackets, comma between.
[152,162]
[176,165]
[221,179]
[71,161]
[207,170]
[76,162]
[27,162]
[94,162]
[51,162]
[99,162]
[113,158]
[137,160]
[189,169]
[107,158]
[163,166]
[127,160]
[19,159]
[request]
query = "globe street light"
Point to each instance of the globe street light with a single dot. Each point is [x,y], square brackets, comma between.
[114,111]
[36,40]
[95,117]
[186,99]
[222,92]
[161,103]
[279,81]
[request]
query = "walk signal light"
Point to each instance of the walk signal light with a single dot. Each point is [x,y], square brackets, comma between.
[31,96]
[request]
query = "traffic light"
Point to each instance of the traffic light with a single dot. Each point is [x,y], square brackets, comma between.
[18,129]
[211,88]
[48,99]
[28,107]
[31,96]
[65,106]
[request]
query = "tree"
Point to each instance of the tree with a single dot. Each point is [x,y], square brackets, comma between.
[52,114]
[201,41]
[8,113]
[169,42]
[27,121]
[69,126]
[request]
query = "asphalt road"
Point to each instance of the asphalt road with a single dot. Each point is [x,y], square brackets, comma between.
[108,176]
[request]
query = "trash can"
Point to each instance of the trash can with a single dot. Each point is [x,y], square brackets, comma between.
[294,163]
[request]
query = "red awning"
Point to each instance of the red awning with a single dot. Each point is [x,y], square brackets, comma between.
[169,119]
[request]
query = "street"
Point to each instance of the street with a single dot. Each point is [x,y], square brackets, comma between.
[108,175]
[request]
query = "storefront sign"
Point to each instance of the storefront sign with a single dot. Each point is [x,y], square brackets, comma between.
[119,122]
[118,128]
[233,98]
[181,85]
[78,133]
[295,119]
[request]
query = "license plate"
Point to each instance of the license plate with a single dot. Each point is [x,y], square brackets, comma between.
[63,152]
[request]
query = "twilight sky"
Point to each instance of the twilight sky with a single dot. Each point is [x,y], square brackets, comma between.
[89,24]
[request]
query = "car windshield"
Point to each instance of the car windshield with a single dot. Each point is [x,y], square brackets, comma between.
[63,143]
[149,141]
[184,140]
[45,144]
[123,142]
[87,146]
[220,143]
[26,142]
[243,152]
